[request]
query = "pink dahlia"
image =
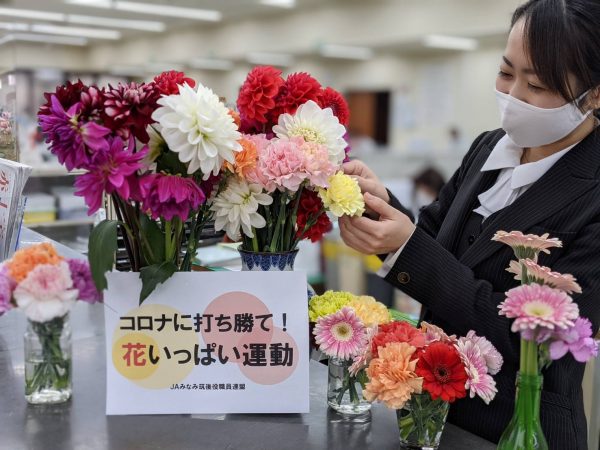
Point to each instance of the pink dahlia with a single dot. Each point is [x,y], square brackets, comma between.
[576,339]
[257,95]
[71,140]
[544,275]
[340,335]
[67,94]
[282,162]
[536,307]
[317,165]
[527,245]
[493,358]
[82,281]
[130,107]
[479,382]
[169,196]
[113,170]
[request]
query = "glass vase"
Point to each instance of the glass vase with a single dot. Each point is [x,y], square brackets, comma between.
[48,361]
[524,431]
[345,392]
[421,422]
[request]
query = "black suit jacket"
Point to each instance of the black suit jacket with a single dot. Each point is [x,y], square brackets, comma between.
[463,294]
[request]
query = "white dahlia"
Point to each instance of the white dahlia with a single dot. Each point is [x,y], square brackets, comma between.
[199,128]
[315,125]
[237,206]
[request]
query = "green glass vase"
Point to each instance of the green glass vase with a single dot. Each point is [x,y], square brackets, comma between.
[524,431]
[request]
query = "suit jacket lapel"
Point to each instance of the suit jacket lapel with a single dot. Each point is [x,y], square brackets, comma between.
[572,176]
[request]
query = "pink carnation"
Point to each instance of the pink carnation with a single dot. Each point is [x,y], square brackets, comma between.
[479,381]
[536,307]
[434,333]
[317,165]
[493,358]
[544,275]
[7,285]
[282,162]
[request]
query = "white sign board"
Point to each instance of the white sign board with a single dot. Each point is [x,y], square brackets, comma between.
[208,342]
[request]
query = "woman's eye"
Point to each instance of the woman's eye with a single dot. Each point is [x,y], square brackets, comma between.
[504,75]
[534,88]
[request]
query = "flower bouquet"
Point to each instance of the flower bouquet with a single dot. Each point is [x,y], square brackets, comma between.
[550,327]
[288,174]
[8,146]
[157,150]
[344,325]
[420,372]
[44,286]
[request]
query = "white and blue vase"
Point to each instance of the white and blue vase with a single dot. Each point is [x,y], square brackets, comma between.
[267,262]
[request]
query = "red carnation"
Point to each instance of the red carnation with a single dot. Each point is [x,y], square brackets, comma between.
[443,372]
[298,89]
[167,83]
[397,332]
[309,210]
[257,94]
[331,98]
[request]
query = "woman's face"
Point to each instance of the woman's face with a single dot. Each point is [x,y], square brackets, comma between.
[517,77]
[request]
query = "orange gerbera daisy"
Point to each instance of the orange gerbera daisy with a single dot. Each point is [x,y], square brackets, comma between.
[25,260]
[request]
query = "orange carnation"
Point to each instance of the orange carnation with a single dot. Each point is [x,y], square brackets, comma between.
[392,377]
[245,161]
[25,260]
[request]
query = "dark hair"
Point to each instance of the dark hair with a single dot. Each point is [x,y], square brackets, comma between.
[562,37]
[430,178]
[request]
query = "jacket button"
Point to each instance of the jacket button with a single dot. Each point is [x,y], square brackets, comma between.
[403,277]
[471,239]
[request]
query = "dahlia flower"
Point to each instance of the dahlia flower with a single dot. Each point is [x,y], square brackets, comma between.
[527,245]
[167,83]
[257,94]
[315,125]
[312,211]
[330,98]
[297,89]
[340,335]
[199,128]
[316,165]
[169,196]
[282,163]
[245,160]
[343,196]
[237,207]
[544,275]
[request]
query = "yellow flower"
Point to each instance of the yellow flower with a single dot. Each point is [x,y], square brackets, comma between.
[328,303]
[370,311]
[343,197]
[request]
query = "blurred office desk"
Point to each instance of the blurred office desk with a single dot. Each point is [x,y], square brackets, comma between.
[81,423]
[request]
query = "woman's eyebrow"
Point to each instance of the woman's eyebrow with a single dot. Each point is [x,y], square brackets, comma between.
[527,70]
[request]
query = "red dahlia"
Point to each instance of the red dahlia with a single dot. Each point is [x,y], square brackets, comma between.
[397,332]
[331,98]
[309,210]
[298,89]
[257,94]
[443,372]
[67,94]
[167,83]
[129,108]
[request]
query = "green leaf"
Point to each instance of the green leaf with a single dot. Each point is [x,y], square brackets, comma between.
[156,240]
[102,248]
[169,162]
[154,275]
[398,316]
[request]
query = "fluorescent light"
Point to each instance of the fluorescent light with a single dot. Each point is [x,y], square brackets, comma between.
[211,64]
[76,31]
[153,9]
[346,52]
[43,38]
[14,26]
[143,25]
[270,59]
[32,14]
[450,42]
[287,4]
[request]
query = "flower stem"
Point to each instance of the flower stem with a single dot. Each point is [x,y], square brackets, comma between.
[280,222]
[254,241]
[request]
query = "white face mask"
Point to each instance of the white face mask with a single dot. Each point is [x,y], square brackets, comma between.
[530,126]
[422,199]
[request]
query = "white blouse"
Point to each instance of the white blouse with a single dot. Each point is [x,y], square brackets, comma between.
[513,180]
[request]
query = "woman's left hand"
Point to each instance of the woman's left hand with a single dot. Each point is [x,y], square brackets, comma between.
[376,237]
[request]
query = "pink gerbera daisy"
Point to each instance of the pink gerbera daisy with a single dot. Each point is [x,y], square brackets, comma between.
[544,275]
[535,306]
[527,245]
[340,335]
[479,382]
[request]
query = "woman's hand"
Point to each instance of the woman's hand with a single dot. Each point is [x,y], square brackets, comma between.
[376,237]
[367,180]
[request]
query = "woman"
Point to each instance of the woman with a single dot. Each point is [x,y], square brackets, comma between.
[538,175]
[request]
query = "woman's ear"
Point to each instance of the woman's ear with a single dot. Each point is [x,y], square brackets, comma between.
[593,99]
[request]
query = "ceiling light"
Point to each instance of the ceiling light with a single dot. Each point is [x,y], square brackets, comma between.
[450,42]
[211,64]
[14,26]
[44,38]
[143,25]
[31,14]
[94,33]
[287,4]
[346,52]
[153,9]
[270,59]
